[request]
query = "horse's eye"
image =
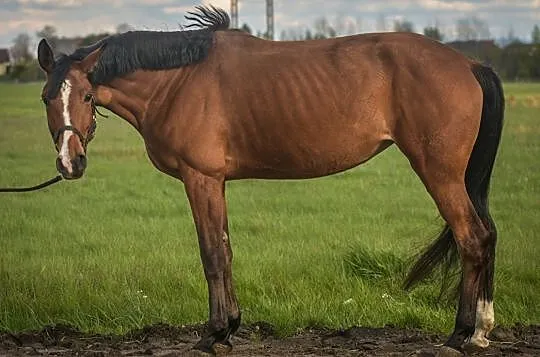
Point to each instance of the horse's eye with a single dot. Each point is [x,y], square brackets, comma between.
[45,100]
[88,97]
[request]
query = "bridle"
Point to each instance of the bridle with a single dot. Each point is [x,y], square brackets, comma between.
[56,136]
[89,134]
[84,140]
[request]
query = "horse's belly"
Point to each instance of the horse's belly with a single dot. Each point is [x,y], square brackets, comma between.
[299,162]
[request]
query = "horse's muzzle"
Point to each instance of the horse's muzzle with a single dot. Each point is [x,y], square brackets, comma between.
[76,169]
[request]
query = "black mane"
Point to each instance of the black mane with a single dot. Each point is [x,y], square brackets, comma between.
[147,50]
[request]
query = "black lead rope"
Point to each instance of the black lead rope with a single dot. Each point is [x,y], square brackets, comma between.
[33,188]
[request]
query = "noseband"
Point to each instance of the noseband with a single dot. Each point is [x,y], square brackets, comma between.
[73,129]
[89,134]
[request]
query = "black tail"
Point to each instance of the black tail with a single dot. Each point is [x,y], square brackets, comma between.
[477,177]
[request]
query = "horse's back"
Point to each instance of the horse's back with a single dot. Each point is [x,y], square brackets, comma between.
[311,108]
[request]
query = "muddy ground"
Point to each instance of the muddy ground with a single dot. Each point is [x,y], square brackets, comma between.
[258,340]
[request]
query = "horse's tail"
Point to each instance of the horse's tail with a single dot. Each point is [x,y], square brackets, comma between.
[477,177]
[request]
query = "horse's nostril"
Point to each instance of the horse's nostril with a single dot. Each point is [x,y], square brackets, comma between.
[59,165]
[82,161]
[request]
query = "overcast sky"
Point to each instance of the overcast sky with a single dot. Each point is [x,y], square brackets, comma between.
[79,17]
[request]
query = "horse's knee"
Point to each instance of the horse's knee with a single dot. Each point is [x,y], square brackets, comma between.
[474,245]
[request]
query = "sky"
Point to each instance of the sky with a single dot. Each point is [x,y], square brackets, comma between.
[80,17]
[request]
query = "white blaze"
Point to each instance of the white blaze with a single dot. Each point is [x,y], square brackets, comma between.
[65,92]
[485,320]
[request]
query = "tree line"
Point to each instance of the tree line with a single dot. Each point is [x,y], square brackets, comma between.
[25,67]
[514,59]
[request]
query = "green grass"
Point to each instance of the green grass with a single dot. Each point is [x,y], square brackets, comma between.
[117,249]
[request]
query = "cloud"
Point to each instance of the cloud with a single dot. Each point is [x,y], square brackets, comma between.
[79,17]
[176,9]
[52,4]
[445,5]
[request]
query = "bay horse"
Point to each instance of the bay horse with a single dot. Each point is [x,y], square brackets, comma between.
[214,104]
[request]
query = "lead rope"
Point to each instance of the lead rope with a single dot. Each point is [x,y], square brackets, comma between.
[33,188]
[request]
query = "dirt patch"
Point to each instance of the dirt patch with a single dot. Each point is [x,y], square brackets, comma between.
[258,340]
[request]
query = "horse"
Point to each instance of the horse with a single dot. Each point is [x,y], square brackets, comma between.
[214,104]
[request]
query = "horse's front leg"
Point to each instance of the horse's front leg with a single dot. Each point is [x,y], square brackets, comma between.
[207,199]
[234,310]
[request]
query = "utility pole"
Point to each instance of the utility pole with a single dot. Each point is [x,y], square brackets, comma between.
[234,13]
[270,19]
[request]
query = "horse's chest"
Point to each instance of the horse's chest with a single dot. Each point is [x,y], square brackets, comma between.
[163,160]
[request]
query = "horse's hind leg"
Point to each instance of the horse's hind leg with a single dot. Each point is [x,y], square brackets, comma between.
[472,240]
[454,156]
[444,177]
[485,316]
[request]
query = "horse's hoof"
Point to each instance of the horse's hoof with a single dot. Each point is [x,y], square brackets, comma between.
[197,353]
[424,352]
[446,351]
[476,345]
[205,345]
[222,349]
[209,348]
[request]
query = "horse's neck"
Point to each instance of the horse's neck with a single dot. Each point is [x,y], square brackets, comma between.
[128,97]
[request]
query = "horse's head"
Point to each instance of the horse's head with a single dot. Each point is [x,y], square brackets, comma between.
[69,100]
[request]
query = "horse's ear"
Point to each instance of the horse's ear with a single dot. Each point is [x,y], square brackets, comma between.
[88,64]
[45,56]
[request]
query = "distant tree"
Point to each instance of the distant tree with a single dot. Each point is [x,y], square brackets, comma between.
[520,61]
[511,36]
[245,27]
[433,32]
[293,34]
[20,51]
[346,25]
[308,35]
[464,30]
[481,27]
[472,28]
[48,32]
[323,29]
[92,38]
[509,39]
[535,35]
[124,27]
[534,53]
[403,26]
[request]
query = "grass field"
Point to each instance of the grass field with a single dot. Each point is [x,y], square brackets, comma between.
[117,249]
